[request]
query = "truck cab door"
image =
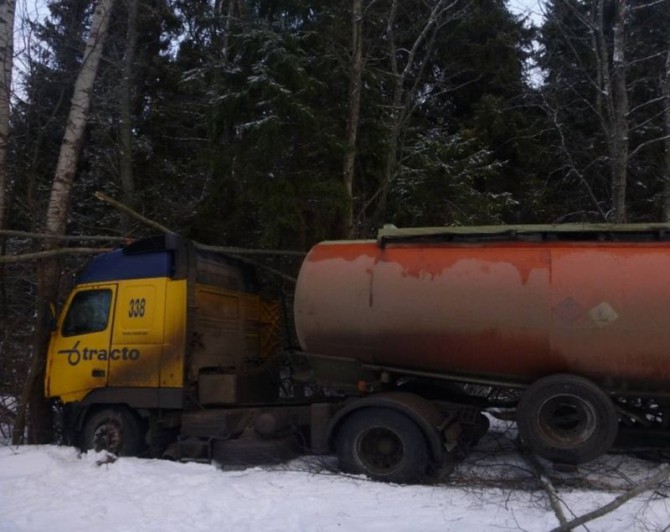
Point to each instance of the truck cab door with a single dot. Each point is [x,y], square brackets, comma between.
[138,336]
[80,346]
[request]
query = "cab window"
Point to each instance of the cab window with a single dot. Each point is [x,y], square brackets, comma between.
[88,313]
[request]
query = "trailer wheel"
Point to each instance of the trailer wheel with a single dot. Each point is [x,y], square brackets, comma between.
[384,445]
[115,430]
[567,419]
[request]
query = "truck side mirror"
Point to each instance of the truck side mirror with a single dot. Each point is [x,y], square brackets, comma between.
[52,321]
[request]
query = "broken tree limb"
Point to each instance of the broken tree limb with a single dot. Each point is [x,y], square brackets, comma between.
[205,247]
[650,483]
[547,485]
[245,251]
[268,269]
[51,236]
[38,255]
[230,251]
[246,260]
[123,208]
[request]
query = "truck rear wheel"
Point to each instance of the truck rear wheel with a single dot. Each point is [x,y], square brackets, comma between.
[384,445]
[115,430]
[567,419]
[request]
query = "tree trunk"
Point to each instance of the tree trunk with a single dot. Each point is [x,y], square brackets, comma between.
[666,99]
[125,122]
[7,10]
[612,100]
[355,86]
[40,421]
[619,143]
[59,200]
[604,87]
[218,7]
[599,51]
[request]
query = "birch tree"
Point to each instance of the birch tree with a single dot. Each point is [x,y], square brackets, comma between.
[666,116]
[618,93]
[604,96]
[59,199]
[7,10]
[56,223]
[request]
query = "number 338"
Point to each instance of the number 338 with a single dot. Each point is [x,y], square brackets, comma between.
[137,308]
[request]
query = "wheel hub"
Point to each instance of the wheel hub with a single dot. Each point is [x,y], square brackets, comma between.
[381,449]
[567,420]
[108,437]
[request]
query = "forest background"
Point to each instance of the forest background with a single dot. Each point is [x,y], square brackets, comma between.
[274,124]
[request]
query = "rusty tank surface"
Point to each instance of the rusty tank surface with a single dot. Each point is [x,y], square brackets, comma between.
[507,304]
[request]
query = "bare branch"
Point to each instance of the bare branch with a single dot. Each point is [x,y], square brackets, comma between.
[231,251]
[244,251]
[647,143]
[649,4]
[38,255]
[221,249]
[546,484]
[649,484]
[120,206]
[572,166]
[95,238]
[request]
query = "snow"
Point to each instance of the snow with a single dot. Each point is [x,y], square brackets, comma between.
[51,488]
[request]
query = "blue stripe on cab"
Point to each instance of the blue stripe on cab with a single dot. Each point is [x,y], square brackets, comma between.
[117,266]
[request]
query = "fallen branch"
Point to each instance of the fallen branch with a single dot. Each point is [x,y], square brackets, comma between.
[547,485]
[51,236]
[245,251]
[120,206]
[650,483]
[219,249]
[25,257]
[233,252]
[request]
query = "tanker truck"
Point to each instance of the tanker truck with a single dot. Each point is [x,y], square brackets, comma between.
[164,348]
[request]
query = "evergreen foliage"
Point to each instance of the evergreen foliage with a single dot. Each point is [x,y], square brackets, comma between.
[239,115]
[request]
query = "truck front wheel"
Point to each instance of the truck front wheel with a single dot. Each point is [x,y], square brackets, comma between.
[567,419]
[113,429]
[384,445]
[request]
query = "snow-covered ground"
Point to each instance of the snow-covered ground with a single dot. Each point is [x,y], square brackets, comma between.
[50,488]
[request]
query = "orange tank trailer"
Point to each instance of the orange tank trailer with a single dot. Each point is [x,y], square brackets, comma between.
[502,305]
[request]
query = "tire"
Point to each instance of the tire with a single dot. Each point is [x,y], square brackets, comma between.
[567,419]
[383,444]
[115,430]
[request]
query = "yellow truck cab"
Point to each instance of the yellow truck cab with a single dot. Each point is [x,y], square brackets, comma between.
[154,330]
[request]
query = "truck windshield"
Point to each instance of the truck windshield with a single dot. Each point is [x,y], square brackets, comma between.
[88,313]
